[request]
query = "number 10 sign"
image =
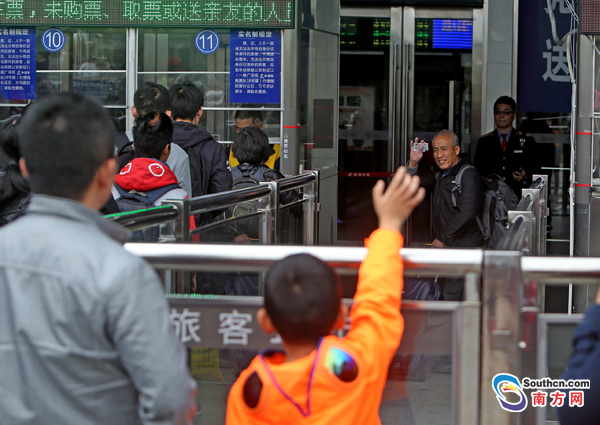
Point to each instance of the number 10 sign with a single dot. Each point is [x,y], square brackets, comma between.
[207,42]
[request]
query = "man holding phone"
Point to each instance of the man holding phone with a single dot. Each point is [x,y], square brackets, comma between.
[506,151]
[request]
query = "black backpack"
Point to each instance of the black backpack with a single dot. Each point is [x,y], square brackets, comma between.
[198,166]
[499,199]
[133,201]
[240,181]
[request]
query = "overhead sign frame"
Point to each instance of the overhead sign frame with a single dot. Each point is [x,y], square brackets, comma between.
[256,14]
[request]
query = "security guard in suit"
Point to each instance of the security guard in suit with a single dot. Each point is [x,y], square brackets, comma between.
[505,151]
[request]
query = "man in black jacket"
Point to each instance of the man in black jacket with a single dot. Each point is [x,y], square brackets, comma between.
[454,223]
[506,151]
[209,165]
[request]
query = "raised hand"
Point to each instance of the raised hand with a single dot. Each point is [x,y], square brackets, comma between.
[395,204]
[415,155]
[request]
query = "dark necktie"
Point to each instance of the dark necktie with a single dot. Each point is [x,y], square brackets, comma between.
[504,142]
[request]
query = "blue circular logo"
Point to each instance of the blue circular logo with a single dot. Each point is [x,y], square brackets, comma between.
[505,383]
[207,42]
[53,39]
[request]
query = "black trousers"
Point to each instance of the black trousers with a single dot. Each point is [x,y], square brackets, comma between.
[452,288]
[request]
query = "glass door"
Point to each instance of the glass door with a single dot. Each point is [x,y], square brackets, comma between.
[364,112]
[436,77]
[404,72]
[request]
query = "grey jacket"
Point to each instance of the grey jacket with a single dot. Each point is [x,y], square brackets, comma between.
[85,336]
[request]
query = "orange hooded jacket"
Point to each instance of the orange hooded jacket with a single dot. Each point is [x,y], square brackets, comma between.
[342,380]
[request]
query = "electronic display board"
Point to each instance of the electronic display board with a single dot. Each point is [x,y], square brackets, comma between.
[143,13]
[364,33]
[434,34]
[475,3]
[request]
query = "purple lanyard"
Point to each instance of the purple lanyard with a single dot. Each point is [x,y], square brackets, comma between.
[308,389]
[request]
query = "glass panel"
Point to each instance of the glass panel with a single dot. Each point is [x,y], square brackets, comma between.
[551,132]
[363,121]
[443,72]
[117,115]
[559,351]
[409,394]
[167,55]
[221,123]
[86,48]
[320,147]
[107,88]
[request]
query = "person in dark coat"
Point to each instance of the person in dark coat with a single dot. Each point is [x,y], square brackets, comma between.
[505,151]
[14,189]
[584,364]
[453,226]
[209,165]
[251,147]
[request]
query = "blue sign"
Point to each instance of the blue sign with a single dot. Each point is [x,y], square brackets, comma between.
[207,42]
[255,66]
[452,34]
[53,40]
[17,63]
[543,82]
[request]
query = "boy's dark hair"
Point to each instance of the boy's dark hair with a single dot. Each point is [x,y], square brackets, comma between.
[151,97]
[251,146]
[186,101]
[507,101]
[12,181]
[152,133]
[302,298]
[256,116]
[64,139]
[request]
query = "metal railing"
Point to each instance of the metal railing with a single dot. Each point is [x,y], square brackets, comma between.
[266,196]
[528,222]
[431,328]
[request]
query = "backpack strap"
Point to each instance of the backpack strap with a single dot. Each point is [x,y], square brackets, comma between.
[458,183]
[149,197]
[123,143]
[259,173]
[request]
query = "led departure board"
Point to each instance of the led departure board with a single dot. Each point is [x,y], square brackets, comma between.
[434,34]
[142,13]
[364,33]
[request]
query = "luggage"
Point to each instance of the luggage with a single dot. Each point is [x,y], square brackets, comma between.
[411,367]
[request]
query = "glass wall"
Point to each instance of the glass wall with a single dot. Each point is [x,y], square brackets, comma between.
[170,56]
[93,61]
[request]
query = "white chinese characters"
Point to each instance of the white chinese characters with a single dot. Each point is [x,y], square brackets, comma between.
[233,327]
[187,325]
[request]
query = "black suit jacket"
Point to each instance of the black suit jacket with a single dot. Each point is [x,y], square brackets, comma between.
[520,153]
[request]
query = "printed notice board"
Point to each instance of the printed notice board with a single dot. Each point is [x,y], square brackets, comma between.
[255,66]
[17,63]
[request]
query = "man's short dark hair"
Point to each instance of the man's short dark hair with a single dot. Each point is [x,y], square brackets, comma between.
[255,116]
[507,101]
[186,101]
[251,146]
[151,97]
[152,133]
[64,139]
[302,298]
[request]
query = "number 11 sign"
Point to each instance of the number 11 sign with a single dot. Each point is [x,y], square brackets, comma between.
[207,42]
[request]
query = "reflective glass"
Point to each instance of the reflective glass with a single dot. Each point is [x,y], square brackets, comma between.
[107,88]
[86,48]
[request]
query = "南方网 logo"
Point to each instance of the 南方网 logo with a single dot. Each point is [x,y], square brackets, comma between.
[507,383]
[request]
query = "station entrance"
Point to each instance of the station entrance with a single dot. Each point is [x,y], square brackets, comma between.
[405,72]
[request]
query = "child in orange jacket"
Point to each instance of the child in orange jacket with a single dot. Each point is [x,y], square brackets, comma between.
[320,378]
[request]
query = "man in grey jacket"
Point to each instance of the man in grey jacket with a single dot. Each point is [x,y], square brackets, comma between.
[85,336]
